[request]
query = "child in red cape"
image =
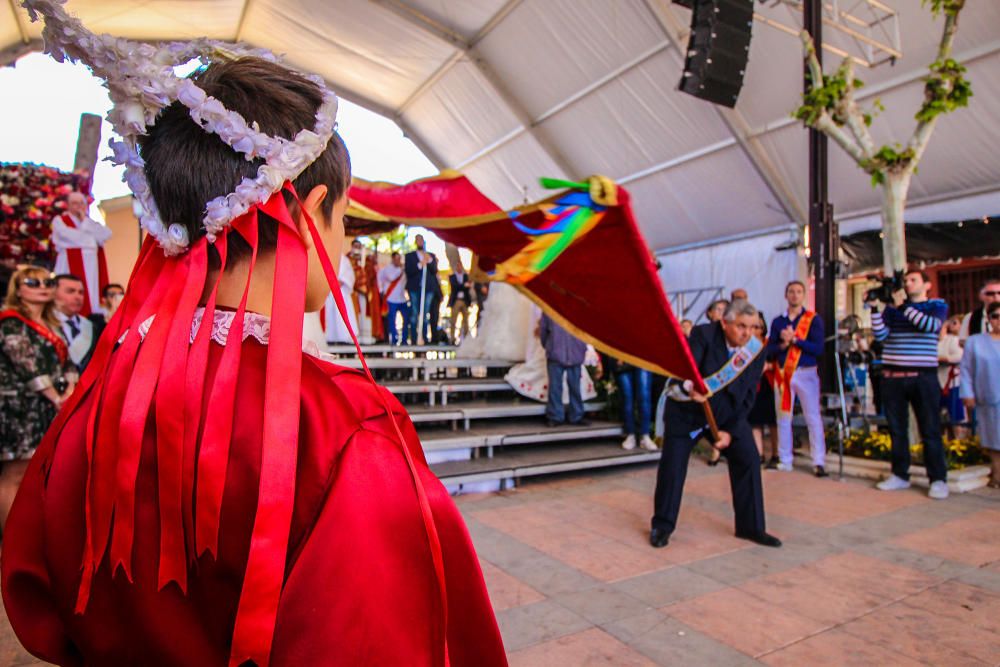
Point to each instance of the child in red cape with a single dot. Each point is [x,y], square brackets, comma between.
[212,495]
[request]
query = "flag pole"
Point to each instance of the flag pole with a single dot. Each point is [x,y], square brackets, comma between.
[712,426]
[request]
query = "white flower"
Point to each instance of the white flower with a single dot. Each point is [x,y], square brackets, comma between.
[178,234]
[132,116]
[272,177]
[190,95]
[153,226]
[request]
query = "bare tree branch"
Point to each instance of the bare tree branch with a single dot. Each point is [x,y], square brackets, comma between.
[826,125]
[814,67]
[922,134]
[853,116]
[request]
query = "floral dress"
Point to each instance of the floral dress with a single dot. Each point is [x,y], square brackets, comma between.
[31,359]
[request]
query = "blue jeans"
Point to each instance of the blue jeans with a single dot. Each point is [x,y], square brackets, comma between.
[635,386]
[415,315]
[555,411]
[394,309]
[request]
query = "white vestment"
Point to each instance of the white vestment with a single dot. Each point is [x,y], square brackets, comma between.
[88,236]
[336,330]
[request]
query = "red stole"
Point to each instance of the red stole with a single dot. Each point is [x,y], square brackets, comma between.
[62,351]
[783,374]
[76,267]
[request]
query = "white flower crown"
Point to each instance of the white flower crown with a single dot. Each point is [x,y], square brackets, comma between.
[142,82]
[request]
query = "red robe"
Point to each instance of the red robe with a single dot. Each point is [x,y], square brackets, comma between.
[359,585]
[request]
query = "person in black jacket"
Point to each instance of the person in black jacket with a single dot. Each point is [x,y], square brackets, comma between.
[421,285]
[712,345]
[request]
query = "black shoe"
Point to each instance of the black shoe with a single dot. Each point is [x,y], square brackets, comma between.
[582,422]
[820,472]
[659,538]
[772,463]
[765,539]
[552,423]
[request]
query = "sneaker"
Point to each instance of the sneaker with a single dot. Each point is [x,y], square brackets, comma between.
[938,490]
[629,442]
[784,467]
[893,483]
[647,443]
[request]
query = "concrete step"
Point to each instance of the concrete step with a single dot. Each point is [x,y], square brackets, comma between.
[385,349]
[470,410]
[510,432]
[512,463]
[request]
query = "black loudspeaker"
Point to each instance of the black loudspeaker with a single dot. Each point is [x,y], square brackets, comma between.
[718,50]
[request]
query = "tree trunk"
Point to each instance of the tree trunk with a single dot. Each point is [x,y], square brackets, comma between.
[894,192]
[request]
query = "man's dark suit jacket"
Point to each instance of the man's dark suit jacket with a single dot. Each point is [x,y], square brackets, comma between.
[98,322]
[460,290]
[731,405]
[411,265]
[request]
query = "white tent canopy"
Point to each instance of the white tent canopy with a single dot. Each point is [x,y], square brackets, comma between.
[510,90]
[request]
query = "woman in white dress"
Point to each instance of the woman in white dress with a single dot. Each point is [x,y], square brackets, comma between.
[336,331]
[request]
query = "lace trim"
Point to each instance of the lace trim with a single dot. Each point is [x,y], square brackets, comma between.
[254,324]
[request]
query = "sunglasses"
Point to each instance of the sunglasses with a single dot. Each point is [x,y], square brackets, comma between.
[995,316]
[38,282]
[992,293]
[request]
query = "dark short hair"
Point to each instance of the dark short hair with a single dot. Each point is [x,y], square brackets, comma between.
[68,276]
[795,282]
[923,274]
[992,307]
[109,287]
[187,167]
[395,253]
[715,303]
[990,281]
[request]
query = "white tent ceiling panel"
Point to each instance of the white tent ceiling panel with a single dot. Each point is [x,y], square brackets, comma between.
[547,51]
[169,19]
[633,122]
[466,17]
[598,78]
[351,42]
[441,114]
[772,84]
[713,196]
[509,176]
[961,155]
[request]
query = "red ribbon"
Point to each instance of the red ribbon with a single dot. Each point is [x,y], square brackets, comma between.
[170,423]
[213,456]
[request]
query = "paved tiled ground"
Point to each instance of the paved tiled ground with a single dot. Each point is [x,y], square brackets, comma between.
[864,578]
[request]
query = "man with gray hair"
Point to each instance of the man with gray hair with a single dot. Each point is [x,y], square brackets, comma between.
[79,243]
[732,361]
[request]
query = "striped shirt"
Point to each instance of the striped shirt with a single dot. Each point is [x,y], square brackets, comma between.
[910,334]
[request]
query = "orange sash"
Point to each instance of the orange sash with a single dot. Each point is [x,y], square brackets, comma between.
[783,374]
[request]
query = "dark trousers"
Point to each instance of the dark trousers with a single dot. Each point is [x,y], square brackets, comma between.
[923,392]
[744,481]
[555,410]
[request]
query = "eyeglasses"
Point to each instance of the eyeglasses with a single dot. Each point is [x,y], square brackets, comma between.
[38,282]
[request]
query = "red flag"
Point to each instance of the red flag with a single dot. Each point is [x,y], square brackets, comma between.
[578,255]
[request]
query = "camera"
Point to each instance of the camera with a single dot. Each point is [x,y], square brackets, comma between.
[887,285]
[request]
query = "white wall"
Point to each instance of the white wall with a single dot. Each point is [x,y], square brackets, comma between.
[752,264]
